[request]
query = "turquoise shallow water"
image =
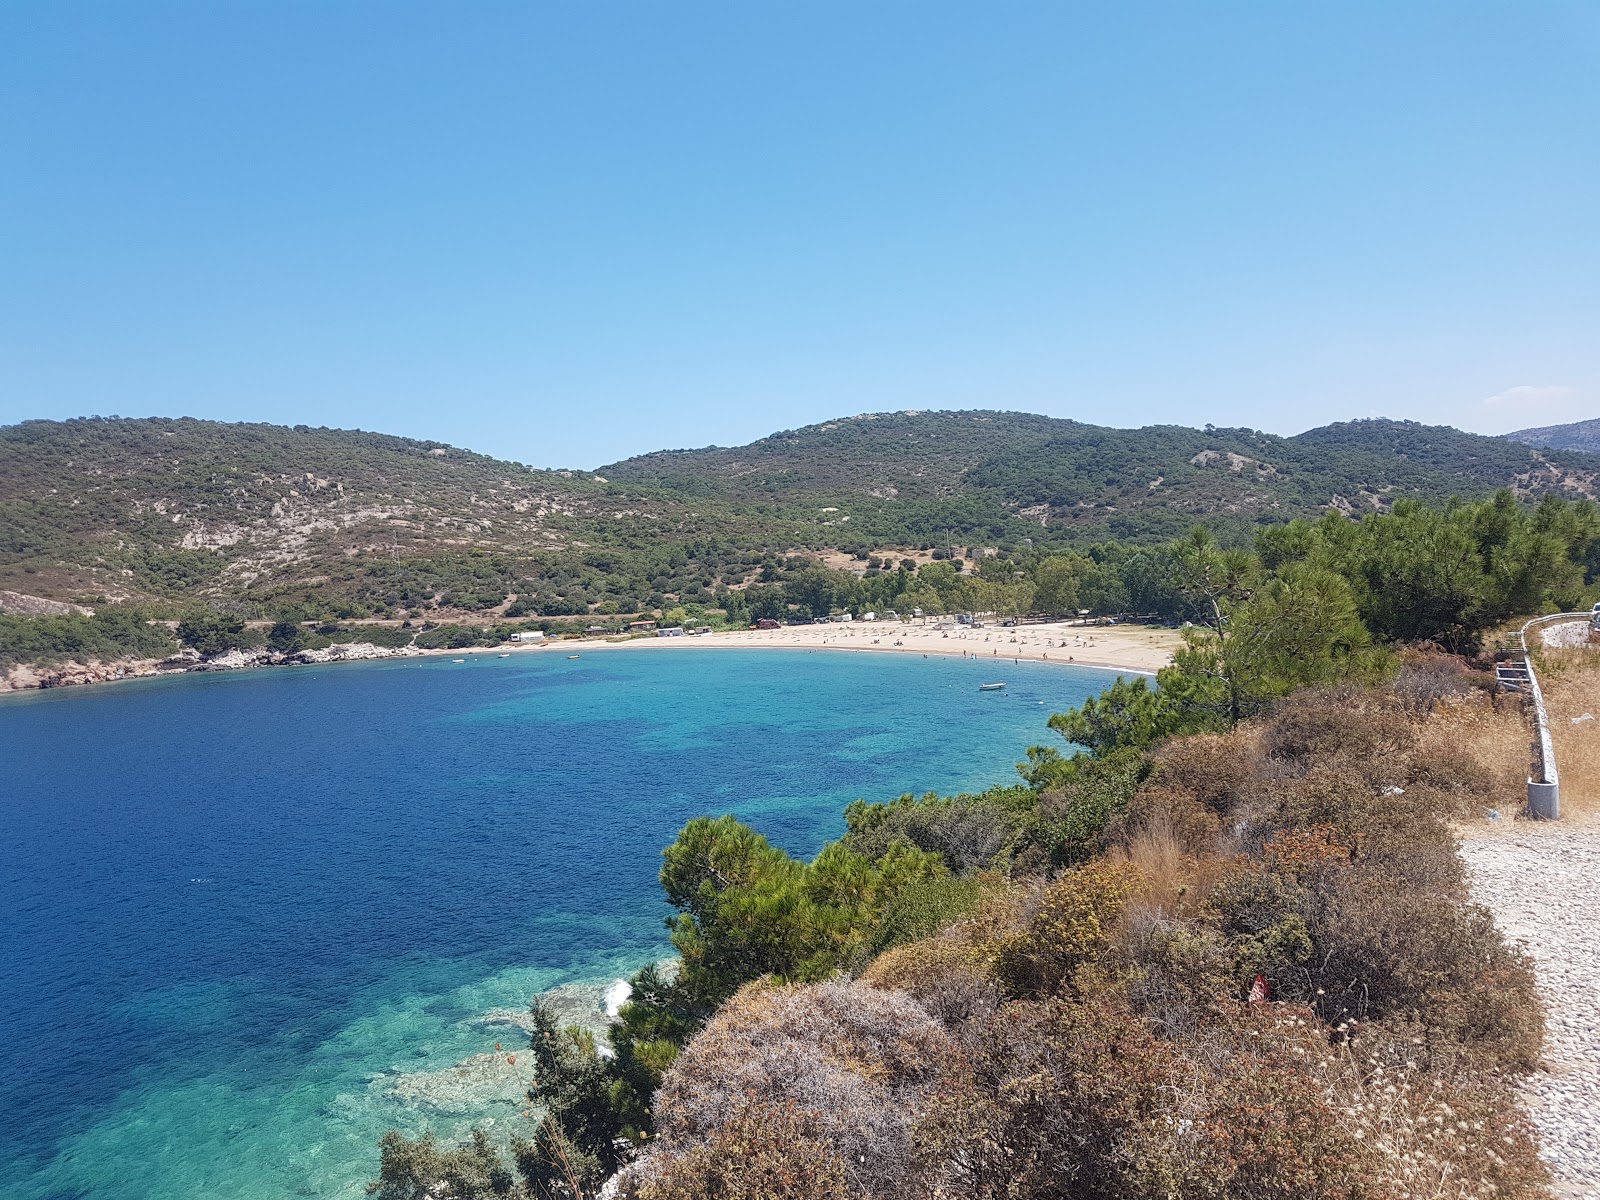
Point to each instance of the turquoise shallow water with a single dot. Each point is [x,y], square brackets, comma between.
[235,910]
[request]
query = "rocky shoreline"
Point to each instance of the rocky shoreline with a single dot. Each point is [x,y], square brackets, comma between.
[29,677]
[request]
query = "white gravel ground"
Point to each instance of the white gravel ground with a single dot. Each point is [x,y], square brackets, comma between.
[1542,882]
[1566,634]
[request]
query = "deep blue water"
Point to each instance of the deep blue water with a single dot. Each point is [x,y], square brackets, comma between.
[234,908]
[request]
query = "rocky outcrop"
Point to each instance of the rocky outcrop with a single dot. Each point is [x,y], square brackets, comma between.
[352,651]
[30,676]
[38,606]
[236,660]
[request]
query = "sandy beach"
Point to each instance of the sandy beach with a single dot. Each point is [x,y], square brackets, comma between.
[1136,649]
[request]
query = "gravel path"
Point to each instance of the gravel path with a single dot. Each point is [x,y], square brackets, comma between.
[1543,885]
[1566,635]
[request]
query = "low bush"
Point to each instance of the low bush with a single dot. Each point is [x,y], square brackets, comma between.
[1079,800]
[765,1152]
[858,1063]
[1073,925]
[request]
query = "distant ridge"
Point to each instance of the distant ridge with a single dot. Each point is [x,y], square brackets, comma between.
[1129,482]
[178,510]
[1579,435]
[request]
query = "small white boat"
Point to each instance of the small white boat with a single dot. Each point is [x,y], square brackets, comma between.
[458,660]
[574,656]
[505,656]
[991,687]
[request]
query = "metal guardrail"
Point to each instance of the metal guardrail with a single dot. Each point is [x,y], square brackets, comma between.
[1544,783]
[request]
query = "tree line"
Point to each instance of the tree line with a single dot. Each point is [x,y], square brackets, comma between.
[1416,573]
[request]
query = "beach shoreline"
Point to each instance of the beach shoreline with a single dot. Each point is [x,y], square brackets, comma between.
[1132,649]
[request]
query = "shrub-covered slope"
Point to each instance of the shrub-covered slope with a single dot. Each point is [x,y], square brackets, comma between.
[184,510]
[1061,474]
[1579,435]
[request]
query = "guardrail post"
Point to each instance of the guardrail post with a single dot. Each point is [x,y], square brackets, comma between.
[1544,784]
[1544,801]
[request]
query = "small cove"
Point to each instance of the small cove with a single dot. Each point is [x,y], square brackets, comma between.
[241,907]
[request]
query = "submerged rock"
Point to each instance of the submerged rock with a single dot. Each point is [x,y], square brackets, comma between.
[502,1076]
[469,1086]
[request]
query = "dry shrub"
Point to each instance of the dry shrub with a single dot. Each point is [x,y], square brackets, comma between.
[1162,870]
[1336,793]
[761,1152]
[1414,851]
[948,977]
[854,1063]
[1427,1128]
[1218,770]
[1073,926]
[1428,676]
[950,974]
[1361,939]
[1453,786]
[1077,1097]
[1406,1132]
[1176,966]
[1172,812]
[1489,732]
[1177,972]
[1367,732]
[1197,783]
[1395,954]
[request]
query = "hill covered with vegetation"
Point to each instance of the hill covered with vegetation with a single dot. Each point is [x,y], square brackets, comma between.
[1579,435]
[908,472]
[178,510]
[346,523]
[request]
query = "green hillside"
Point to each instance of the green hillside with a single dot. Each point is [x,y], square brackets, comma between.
[170,511]
[910,474]
[1579,435]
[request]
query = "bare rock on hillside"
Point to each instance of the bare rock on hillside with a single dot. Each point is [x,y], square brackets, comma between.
[37,606]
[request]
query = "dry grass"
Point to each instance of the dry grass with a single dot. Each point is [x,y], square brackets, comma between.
[1167,880]
[1491,730]
[1571,683]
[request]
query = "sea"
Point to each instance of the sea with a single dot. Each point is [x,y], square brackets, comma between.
[250,921]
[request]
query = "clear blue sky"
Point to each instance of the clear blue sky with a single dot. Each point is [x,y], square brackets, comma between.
[564,233]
